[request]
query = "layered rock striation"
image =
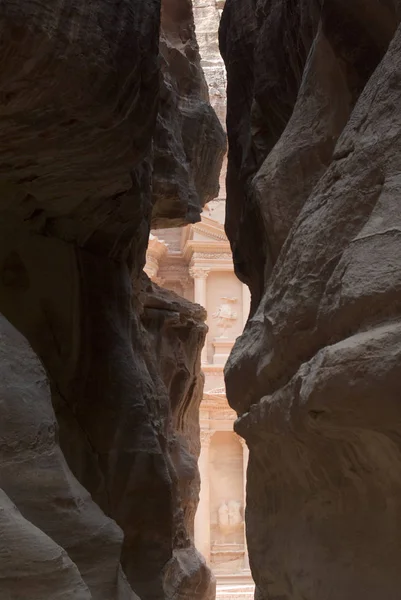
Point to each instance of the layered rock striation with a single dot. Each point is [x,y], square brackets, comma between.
[312,214]
[103,132]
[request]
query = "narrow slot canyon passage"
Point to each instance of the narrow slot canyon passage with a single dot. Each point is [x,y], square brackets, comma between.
[196,263]
[200,300]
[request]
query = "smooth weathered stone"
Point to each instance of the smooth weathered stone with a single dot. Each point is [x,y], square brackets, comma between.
[32,561]
[36,477]
[312,194]
[92,97]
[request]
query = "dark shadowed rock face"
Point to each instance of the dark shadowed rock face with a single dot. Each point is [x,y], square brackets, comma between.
[96,141]
[58,544]
[176,333]
[187,127]
[313,180]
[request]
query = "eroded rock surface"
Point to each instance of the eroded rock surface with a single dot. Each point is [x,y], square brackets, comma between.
[312,192]
[97,142]
[207,15]
[186,172]
[80,558]
[176,332]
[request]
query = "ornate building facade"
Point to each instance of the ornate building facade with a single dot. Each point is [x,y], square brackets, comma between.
[196,263]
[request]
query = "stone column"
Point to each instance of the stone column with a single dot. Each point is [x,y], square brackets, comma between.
[246,303]
[245,458]
[202,517]
[199,275]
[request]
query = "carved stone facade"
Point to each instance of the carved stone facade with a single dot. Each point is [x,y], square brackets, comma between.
[196,262]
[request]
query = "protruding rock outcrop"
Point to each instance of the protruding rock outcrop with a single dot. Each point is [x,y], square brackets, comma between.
[96,142]
[207,19]
[186,171]
[176,333]
[207,14]
[312,191]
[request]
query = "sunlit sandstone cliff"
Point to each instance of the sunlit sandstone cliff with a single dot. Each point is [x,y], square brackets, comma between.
[313,187]
[103,132]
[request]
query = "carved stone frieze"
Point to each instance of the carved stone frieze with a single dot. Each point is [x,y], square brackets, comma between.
[180,268]
[214,234]
[219,390]
[212,256]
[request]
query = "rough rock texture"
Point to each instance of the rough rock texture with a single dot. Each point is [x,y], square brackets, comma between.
[176,333]
[207,19]
[312,193]
[186,171]
[207,14]
[85,116]
[37,479]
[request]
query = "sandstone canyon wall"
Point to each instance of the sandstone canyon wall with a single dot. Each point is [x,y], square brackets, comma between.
[207,14]
[313,215]
[97,144]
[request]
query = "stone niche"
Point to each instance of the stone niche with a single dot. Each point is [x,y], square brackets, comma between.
[226,503]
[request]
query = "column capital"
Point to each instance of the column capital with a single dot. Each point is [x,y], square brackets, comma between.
[199,272]
[206,437]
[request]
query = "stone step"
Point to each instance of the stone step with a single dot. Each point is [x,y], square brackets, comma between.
[235,592]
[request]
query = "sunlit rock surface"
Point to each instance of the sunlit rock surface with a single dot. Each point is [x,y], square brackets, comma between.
[86,117]
[313,217]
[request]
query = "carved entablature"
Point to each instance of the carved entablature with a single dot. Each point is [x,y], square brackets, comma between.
[212,256]
[216,403]
[212,233]
[177,268]
[224,415]
[219,390]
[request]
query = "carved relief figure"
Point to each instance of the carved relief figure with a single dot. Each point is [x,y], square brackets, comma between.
[230,515]
[234,513]
[225,315]
[223,516]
